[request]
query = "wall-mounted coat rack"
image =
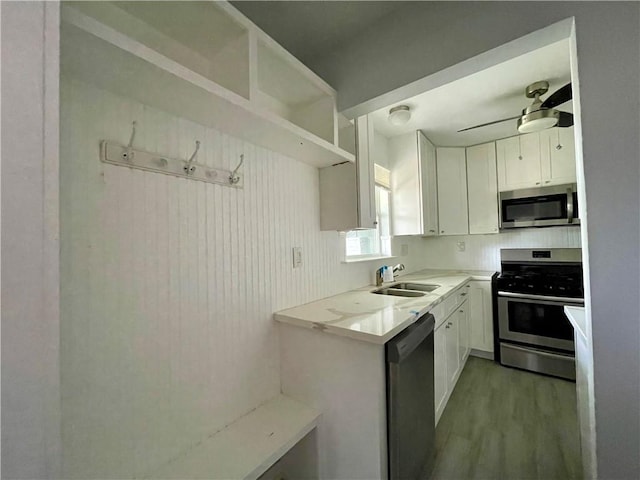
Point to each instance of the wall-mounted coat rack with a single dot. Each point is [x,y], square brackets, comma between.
[128,156]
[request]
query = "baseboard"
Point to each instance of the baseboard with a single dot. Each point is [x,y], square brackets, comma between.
[481,354]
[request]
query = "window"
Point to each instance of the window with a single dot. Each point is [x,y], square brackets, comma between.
[374,243]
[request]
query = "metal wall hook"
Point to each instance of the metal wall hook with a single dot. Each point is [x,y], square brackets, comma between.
[128,154]
[233,178]
[189,168]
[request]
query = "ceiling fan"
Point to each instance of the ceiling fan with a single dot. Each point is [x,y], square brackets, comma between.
[540,115]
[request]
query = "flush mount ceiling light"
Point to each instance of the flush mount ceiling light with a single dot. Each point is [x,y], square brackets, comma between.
[399,115]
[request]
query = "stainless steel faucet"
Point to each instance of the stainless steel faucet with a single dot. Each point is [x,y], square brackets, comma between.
[398,268]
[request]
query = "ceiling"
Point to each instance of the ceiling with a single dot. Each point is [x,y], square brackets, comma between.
[310,29]
[491,94]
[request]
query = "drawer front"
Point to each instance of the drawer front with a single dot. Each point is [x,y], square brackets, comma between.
[450,304]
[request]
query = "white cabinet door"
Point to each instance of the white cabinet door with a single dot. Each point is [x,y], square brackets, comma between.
[463,333]
[406,185]
[364,173]
[518,160]
[413,185]
[453,217]
[482,186]
[427,153]
[557,156]
[481,315]
[347,191]
[440,377]
[452,352]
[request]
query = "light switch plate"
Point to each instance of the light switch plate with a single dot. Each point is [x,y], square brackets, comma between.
[461,246]
[297,257]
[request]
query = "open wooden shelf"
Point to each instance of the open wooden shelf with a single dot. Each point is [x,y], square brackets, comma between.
[134,50]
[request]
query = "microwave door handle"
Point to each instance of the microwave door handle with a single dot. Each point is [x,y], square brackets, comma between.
[570,213]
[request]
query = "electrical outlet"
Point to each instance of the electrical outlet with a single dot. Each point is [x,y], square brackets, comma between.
[461,246]
[297,257]
[404,250]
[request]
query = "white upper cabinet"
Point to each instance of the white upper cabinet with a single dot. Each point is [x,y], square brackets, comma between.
[365,173]
[557,156]
[427,153]
[536,159]
[453,217]
[413,185]
[518,161]
[482,188]
[347,190]
[406,185]
[205,62]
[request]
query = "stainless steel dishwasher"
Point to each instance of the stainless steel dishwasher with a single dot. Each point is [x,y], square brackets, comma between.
[410,401]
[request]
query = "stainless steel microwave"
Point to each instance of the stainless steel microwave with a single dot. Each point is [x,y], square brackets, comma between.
[539,207]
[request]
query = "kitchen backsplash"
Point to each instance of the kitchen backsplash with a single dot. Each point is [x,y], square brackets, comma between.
[482,252]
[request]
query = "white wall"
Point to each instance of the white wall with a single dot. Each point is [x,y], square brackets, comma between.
[422,38]
[168,286]
[30,314]
[482,252]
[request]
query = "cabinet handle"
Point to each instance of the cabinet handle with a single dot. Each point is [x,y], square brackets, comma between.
[441,231]
[537,183]
[432,231]
[547,181]
[375,223]
[463,294]
[449,324]
[461,311]
[468,286]
[446,326]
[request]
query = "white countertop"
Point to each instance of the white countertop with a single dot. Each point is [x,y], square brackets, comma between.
[362,315]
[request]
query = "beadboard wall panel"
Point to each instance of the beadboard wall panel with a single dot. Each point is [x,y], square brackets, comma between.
[482,252]
[168,285]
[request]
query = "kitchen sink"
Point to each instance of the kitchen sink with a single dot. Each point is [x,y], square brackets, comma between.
[397,292]
[421,287]
[406,289]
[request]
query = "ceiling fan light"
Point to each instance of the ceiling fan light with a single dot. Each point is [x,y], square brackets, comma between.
[399,115]
[538,120]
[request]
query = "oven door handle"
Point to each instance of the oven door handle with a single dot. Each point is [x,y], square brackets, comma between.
[543,298]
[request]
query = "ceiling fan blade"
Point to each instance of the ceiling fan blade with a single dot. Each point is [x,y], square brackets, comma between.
[489,123]
[558,97]
[565,119]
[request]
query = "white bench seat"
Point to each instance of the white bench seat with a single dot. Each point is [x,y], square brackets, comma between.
[246,448]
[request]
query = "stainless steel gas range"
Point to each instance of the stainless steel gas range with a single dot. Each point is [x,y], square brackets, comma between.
[531,330]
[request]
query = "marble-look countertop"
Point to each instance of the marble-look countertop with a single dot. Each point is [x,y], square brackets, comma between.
[362,315]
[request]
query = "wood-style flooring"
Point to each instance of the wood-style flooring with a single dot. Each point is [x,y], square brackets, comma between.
[503,423]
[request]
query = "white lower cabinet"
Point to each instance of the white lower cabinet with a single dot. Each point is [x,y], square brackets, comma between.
[452,346]
[440,380]
[451,350]
[481,316]
[463,332]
